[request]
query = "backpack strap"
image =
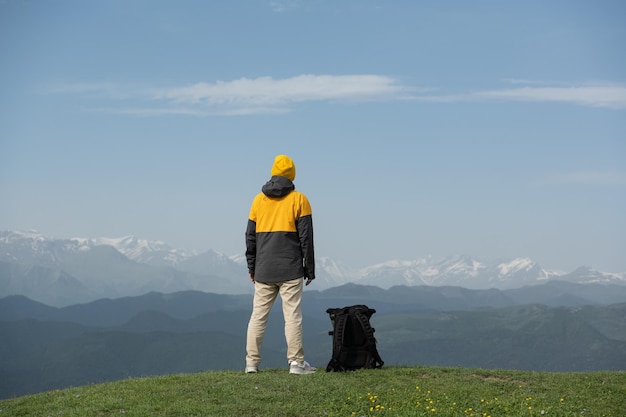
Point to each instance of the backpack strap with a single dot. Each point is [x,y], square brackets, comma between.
[363,317]
[338,317]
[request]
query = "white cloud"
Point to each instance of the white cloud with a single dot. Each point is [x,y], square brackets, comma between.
[267,95]
[609,96]
[268,91]
[264,95]
[187,111]
[600,96]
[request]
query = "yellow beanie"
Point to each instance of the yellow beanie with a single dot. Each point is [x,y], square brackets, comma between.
[284,167]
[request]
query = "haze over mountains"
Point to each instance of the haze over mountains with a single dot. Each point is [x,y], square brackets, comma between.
[555,326]
[79,311]
[62,272]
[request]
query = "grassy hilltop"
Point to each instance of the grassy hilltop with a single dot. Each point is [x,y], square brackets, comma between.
[390,391]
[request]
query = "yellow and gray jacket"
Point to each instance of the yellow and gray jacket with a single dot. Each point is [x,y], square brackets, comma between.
[279,236]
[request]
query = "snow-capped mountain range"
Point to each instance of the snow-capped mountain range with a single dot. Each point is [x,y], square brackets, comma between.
[66,271]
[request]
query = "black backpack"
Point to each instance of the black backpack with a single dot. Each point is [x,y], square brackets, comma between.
[354,345]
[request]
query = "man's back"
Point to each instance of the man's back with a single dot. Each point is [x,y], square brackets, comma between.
[279,251]
[280,233]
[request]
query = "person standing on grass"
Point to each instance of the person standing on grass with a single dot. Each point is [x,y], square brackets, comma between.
[280,256]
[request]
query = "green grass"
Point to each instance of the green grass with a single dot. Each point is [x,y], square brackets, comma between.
[391,391]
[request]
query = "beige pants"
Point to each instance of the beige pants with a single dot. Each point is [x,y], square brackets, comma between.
[264,297]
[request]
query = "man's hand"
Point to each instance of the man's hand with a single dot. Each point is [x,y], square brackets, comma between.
[308,281]
[252,278]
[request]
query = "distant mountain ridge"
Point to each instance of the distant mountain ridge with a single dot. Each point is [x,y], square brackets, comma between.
[555,326]
[185,305]
[69,271]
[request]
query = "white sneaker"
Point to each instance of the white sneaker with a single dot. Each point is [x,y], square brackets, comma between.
[252,369]
[301,368]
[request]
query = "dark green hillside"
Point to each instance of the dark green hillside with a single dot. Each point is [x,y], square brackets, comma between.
[181,305]
[568,294]
[47,355]
[609,321]
[37,355]
[18,307]
[108,356]
[404,298]
[229,322]
[527,338]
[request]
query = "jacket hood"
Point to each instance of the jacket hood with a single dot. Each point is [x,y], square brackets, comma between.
[278,186]
[284,166]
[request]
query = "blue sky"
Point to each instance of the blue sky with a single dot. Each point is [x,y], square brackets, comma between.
[487,128]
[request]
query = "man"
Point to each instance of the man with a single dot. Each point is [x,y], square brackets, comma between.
[279,251]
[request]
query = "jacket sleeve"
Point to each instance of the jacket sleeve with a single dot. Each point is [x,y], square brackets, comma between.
[251,245]
[305,235]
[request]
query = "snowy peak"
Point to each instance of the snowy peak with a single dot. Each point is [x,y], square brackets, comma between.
[33,247]
[330,273]
[516,265]
[463,271]
[585,274]
[29,248]
[144,265]
[139,250]
[30,239]
[394,272]
[454,270]
[9,236]
[460,266]
[239,258]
